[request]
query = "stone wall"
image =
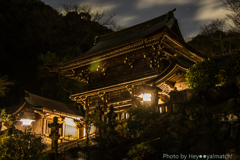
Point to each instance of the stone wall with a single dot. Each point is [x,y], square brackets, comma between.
[203,121]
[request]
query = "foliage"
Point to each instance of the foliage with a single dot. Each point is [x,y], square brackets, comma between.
[4,115]
[62,87]
[132,138]
[233,69]
[41,35]
[4,83]
[145,119]
[234,7]
[139,152]
[95,15]
[204,73]
[21,147]
[122,129]
[218,38]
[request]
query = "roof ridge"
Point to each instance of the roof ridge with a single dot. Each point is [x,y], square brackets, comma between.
[167,16]
[43,98]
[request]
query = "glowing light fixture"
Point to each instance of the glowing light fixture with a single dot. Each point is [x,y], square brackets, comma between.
[146,96]
[69,122]
[27,121]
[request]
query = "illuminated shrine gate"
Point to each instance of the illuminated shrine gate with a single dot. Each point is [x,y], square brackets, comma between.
[123,65]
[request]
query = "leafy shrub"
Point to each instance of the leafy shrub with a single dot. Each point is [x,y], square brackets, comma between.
[4,116]
[20,147]
[144,120]
[204,73]
[139,152]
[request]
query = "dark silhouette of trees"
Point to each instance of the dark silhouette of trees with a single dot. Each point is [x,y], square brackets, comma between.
[218,38]
[31,34]
[234,7]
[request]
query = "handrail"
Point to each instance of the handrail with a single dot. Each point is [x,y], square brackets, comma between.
[71,143]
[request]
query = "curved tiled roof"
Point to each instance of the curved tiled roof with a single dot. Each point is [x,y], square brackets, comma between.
[45,104]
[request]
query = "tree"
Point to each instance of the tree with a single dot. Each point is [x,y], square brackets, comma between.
[36,29]
[205,73]
[21,147]
[4,83]
[215,26]
[139,152]
[217,38]
[234,7]
[95,15]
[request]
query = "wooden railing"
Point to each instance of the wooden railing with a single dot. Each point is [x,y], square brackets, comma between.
[81,142]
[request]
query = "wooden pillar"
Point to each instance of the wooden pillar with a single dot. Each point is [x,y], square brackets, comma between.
[81,132]
[154,96]
[86,106]
[133,98]
[43,119]
[105,106]
[154,99]
[63,129]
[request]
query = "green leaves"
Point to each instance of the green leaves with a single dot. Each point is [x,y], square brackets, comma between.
[4,115]
[21,147]
[4,83]
[139,151]
[145,118]
[205,73]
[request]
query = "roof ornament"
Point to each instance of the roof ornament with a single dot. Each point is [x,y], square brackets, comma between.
[82,100]
[169,15]
[101,94]
[129,61]
[130,88]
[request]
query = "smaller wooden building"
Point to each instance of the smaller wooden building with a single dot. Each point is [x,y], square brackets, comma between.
[42,110]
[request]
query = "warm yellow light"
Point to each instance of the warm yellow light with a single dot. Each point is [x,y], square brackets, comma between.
[84,132]
[69,122]
[146,96]
[160,109]
[160,101]
[26,121]
[77,118]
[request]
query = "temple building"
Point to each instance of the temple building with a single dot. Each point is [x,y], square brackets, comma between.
[140,63]
[34,113]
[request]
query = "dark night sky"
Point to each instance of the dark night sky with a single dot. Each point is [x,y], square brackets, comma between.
[191,14]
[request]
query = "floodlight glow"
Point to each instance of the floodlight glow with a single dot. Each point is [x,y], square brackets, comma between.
[27,121]
[146,96]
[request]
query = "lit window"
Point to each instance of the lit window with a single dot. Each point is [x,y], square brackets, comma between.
[126,115]
[165,108]
[160,109]
[69,122]
[146,96]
